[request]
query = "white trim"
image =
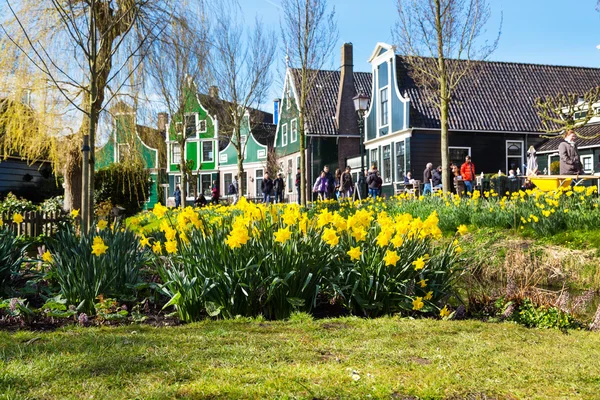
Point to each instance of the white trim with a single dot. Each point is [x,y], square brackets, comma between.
[578,148]
[378,47]
[389,137]
[587,156]
[173,155]
[284,135]
[202,160]
[200,125]
[189,114]
[506,156]
[294,137]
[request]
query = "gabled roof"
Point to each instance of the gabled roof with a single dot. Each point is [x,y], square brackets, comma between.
[264,133]
[589,130]
[322,100]
[498,97]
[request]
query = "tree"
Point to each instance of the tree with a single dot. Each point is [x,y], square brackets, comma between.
[86,50]
[309,35]
[175,66]
[565,112]
[241,62]
[440,41]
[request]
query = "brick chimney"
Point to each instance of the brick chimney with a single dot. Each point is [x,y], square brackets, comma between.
[345,115]
[213,92]
[163,120]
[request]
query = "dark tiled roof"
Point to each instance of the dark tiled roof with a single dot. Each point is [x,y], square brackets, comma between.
[591,131]
[323,97]
[498,97]
[264,133]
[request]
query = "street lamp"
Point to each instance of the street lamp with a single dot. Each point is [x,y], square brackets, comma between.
[361,102]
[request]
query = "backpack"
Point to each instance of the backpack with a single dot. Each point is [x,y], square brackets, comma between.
[231,188]
[378,180]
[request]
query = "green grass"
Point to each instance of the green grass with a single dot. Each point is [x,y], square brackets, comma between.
[394,358]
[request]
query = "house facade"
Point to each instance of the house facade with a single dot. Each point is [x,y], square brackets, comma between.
[201,132]
[588,146]
[331,127]
[126,140]
[491,117]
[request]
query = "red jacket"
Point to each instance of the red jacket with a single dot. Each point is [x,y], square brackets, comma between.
[467,171]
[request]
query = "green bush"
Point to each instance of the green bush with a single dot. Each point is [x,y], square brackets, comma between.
[126,186]
[83,276]
[533,316]
[11,204]
[12,254]
[555,168]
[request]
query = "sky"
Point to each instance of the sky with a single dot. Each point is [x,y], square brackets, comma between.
[558,32]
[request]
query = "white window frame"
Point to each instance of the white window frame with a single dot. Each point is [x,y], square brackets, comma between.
[395,160]
[195,123]
[520,164]
[175,160]
[386,179]
[256,178]
[199,177]
[376,158]
[587,157]
[381,107]
[284,135]
[294,131]
[261,153]
[223,158]
[202,126]
[122,145]
[202,151]
[459,148]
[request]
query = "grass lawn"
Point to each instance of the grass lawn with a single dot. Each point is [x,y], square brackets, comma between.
[393,358]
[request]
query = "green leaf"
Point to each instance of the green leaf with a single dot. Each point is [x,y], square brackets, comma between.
[174,300]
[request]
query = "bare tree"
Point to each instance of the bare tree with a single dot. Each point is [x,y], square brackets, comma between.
[175,67]
[309,35]
[440,40]
[241,61]
[86,49]
[565,112]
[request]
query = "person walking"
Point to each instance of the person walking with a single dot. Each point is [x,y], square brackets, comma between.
[467,171]
[569,155]
[346,183]
[233,190]
[321,185]
[427,178]
[330,182]
[374,182]
[177,195]
[279,185]
[267,187]
[337,183]
[215,193]
[298,178]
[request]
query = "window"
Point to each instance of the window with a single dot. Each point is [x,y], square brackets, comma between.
[202,126]
[205,184]
[290,173]
[123,150]
[587,162]
[387,163]
[294,131]
[458,154]
[223,158]
[291,187]
[207,151]
[400,160]
[384,106]
[227,179]
[374,158]
[258,179]
[514,155]
[284,137]
[190,125]
[175,153]
[261,153]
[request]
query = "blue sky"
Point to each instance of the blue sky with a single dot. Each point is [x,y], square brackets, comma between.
[559,32]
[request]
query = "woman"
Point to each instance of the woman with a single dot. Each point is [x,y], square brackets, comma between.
[337,183]
[215,193]
[321,185]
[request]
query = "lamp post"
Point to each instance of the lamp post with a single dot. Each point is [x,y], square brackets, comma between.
[361,102]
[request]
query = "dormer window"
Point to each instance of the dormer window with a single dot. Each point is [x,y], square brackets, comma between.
[384,106]
[202,126]
[190,125]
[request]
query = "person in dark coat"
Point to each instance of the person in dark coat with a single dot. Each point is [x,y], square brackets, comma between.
[215,193]
[437,177]
[374,182]
[347,183]
[200,201]
[330,182]
[279,185]
[267,187]
[298,178]
[569,155]
[427,177]
[177,195]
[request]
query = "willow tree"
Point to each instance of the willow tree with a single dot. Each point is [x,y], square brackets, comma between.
[441,40]
[86,50]
[176,68]
[241,60]
[310,34]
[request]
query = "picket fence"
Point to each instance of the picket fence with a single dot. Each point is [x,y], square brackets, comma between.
[35,223]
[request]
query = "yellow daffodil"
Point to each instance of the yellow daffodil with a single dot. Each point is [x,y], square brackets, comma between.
[444,312]
[283,235]
[418,303]
[74,213]
[423,283]
[391,258]
[159,210]
[157,248]
[102,224]
[330,237]
[47,257]
[462,230]
[144,241]
[171,246]
[429,295]
[419,263]
[17,218]
[99,248]
[354,253]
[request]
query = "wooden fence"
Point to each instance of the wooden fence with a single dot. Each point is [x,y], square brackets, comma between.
[35,222]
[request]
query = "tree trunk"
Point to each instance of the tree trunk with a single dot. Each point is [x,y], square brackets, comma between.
[72,178]
[444,145]
[302,138]
[183,170]
[444,98]
[239,149]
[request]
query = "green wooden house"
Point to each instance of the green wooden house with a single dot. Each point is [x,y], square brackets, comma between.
[128,137]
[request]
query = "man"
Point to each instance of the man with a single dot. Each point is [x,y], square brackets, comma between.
[177,195]
[267,187]
[330,182]
[467,171]
[427,177]
[569,156]
[437,177]
[347,184]
[298,185]
[374,182]
[234,190]
[279,184]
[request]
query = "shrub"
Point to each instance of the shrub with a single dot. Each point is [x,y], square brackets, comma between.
[11,204]
[555,168]
[126,186]
[83,275]
[12,254]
